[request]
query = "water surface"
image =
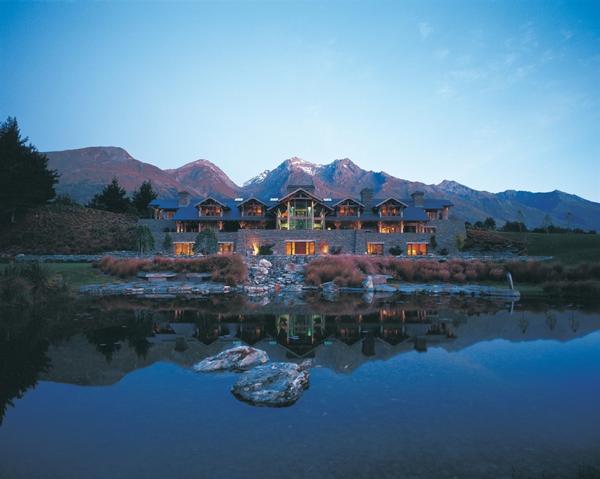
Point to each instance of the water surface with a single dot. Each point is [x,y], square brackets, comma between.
[418,388]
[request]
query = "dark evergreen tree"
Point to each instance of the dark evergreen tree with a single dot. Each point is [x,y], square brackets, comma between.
[144,239]
[25,180]
[167,243]
[142,197]
[489,223]
[514,227]
[433,242]
[206,242]
[112,198]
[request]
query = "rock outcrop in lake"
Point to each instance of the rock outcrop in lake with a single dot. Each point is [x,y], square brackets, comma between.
[240,358]
[272,385]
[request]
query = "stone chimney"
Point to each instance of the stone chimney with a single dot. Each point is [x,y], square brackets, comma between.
[183,198]
[366,195]
[417,198]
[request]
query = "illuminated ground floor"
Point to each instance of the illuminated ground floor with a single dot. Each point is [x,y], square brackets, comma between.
[438,238]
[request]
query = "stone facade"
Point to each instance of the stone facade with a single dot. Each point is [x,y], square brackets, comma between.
[247,241]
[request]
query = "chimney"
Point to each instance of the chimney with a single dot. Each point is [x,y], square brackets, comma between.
[366,195]
[417,198]
[183,198]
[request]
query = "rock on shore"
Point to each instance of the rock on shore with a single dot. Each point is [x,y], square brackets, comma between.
[272,385]
[240,358]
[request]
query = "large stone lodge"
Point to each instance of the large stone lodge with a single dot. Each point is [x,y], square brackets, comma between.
[303,223]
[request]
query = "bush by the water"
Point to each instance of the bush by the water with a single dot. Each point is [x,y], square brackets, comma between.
[28,286]
[351,270]
[228,268]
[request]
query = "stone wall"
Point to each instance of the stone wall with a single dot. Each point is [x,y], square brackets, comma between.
[350,241]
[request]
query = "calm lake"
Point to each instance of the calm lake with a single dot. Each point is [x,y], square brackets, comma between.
[415,388]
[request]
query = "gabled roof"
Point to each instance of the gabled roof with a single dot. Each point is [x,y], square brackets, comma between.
[308,193]
[391,198]
[354,200]
[252,198]
[222,203]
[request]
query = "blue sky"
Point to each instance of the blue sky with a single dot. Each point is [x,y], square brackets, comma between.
[495,95]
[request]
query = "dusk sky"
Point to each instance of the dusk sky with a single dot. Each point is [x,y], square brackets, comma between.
[494,95]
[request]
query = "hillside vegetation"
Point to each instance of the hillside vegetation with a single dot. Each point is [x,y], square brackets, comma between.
[569,248]
[59,229]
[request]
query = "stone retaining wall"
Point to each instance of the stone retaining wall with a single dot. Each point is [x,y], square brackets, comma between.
[350,241]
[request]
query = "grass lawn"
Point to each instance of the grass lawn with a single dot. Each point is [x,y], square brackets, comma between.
[76,274]
[568,248]
[79,274]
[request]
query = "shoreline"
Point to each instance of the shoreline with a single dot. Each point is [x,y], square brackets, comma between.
[282,275]
[187,289]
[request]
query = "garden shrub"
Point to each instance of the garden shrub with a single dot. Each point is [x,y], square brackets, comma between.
[227,268]
[266,249]
[351,270]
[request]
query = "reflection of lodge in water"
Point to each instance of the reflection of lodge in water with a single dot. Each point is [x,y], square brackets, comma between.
[120,341]
[301,334]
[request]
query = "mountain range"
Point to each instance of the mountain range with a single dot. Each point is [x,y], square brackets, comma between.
[84,172]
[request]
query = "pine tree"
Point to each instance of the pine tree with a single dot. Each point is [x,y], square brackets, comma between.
[489,223]
[112,198]
[142,197]
[25,180]
[144,239]
[206,242]
[167,243]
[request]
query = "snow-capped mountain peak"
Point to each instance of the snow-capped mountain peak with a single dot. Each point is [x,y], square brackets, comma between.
[257,179]
[298,164]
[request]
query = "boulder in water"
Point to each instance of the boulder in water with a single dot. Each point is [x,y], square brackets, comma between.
[272,385]
[240,358]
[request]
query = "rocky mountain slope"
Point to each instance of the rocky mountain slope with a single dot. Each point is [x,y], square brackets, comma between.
[85,171]
[201,177]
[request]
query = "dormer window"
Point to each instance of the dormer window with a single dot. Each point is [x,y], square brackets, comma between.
[391,207]
[348,207]
[210,207]
[390,210]
[211,210]
[252,208]
[347,210]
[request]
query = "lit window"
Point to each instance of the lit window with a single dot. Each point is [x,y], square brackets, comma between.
[375,248]
[416,249]
[186,249]
[299,247]
[225,247]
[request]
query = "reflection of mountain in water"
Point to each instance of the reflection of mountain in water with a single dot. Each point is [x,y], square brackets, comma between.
[341,342]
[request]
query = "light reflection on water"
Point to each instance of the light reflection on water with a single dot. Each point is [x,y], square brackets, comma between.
[429,387]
